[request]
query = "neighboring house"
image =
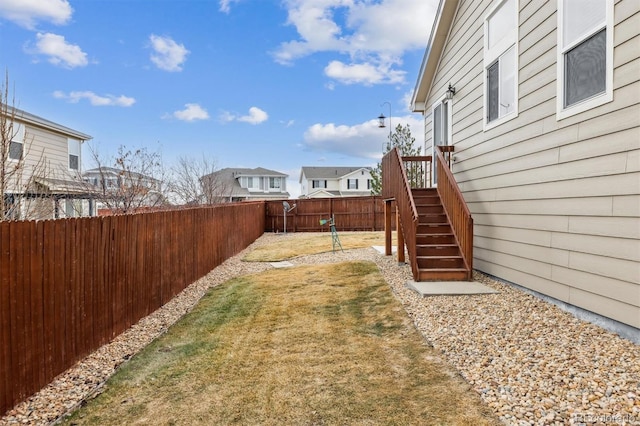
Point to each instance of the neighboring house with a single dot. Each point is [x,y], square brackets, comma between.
[327,182]
[123,189]
[239,184]
[545,121]
[42,168]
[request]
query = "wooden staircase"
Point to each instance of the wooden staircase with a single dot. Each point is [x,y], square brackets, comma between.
[437,252]
[434,224]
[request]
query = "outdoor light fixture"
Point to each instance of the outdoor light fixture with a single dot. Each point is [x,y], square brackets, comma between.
[450,92]
[381,124]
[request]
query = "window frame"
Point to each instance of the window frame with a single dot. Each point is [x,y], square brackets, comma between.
[272,183]
[596,100]
[17,138]
[318,183]
[349,184]
[73,143]
[491,55]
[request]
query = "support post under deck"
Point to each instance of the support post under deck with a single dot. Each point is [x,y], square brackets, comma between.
[400,248]
[387,227]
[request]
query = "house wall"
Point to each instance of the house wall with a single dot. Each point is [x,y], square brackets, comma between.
[556,203]
[362,177]
[53,147]
[332,185]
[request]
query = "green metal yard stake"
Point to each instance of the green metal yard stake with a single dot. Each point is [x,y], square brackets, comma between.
[334,233]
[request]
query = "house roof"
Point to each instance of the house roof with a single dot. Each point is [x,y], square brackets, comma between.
[237,172]
[231,176]
[66,187]
[437,39]
[328,172]
[114,171]
[27,117]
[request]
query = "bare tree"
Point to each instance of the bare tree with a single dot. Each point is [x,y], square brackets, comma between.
[132,181]
[196,182]
[21,171]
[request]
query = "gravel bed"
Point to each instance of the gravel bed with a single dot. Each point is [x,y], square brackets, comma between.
[531,362]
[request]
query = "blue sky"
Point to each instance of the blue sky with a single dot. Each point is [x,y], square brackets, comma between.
[246,83]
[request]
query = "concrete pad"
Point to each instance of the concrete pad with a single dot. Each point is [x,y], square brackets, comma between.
[283,264]
[380,249]
[449,288]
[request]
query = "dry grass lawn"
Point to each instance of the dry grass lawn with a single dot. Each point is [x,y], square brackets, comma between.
[310,345]
[313,243]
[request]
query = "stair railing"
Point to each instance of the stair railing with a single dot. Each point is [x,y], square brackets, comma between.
[396,185]
[455,206]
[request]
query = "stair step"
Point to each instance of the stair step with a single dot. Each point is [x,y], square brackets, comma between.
[435,239]
[459,274]
[437,250]
[434,228]
[429,208]
[440,262]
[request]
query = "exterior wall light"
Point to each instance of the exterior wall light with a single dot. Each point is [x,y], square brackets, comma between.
[450,92]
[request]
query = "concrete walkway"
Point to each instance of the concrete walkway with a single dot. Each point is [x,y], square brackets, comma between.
[450,288]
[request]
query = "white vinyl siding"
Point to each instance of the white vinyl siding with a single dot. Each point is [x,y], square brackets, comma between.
[585,55]
[500,63]
[555,203]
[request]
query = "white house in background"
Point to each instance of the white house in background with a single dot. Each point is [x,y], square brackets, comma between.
[112,183]
[49,185]
[545,121]
[240,184]
[327,182]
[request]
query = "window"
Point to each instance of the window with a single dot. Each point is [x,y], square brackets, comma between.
[441,129]
[501,63]
[318,183]
[274,183]
[585,55]
[16,146]
[352,183]
[369,183]
[74,154]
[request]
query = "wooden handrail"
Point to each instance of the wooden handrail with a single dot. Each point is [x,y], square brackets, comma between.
[418,170]
[455,207]
[396,185]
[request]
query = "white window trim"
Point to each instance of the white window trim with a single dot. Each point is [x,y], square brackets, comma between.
[17,137]
[77,144]
[597,100]
[491,55]
[449,103]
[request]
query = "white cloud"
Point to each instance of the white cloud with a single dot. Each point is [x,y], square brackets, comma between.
[167,54]
[365,140]
[365,73]
[191,112]
[27,12]
[60,52]
[255,116]
[373,35]
[95,100]
[225,5]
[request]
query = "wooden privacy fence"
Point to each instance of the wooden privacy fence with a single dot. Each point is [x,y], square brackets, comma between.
[351,214]
[69,286]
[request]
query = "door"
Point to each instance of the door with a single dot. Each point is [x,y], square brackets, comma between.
[441,113]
